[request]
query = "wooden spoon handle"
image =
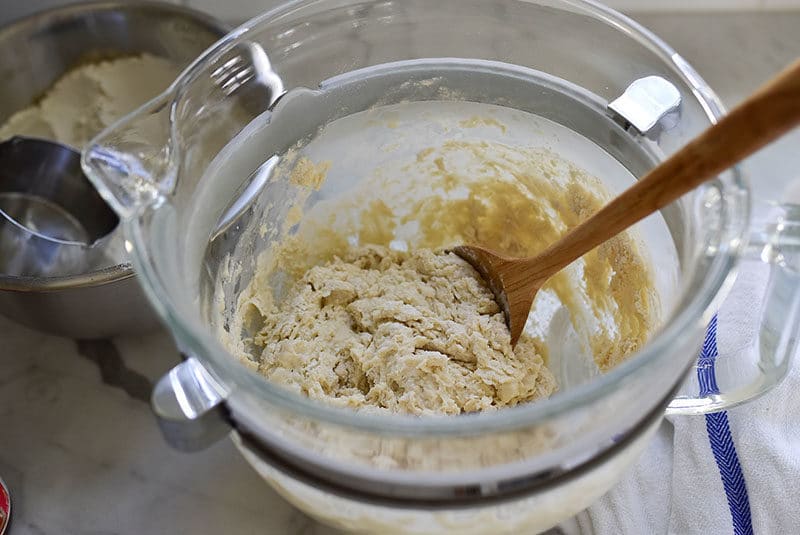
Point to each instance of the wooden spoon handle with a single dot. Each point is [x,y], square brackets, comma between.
[770,112]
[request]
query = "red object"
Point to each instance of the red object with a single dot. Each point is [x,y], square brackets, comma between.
[5,507]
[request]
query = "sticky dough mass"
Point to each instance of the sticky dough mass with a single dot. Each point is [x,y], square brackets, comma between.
[409,332]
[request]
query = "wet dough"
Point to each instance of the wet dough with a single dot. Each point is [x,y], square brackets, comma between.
[408,332]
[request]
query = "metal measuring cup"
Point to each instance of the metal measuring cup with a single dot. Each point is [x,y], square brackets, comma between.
[53,223]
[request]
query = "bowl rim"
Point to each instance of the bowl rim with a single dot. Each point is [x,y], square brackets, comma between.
[45,18]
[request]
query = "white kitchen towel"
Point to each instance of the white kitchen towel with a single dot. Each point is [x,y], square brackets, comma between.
[733,472]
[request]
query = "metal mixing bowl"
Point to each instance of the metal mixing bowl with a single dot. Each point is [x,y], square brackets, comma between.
[34,53]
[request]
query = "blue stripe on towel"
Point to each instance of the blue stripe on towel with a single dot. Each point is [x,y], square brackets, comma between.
[720,440]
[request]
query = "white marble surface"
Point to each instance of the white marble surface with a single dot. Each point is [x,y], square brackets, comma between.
[82,456]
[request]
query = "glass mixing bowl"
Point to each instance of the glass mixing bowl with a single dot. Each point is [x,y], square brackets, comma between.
[194,174]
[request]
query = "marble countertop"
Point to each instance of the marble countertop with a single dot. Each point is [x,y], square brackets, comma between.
[81,452]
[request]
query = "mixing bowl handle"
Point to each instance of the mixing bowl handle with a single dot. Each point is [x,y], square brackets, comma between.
[188,404]
[725,379]
[133,162]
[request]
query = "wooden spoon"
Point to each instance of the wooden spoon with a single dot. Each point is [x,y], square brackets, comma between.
[767,114]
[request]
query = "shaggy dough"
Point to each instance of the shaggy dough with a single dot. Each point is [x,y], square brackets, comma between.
[409,332]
